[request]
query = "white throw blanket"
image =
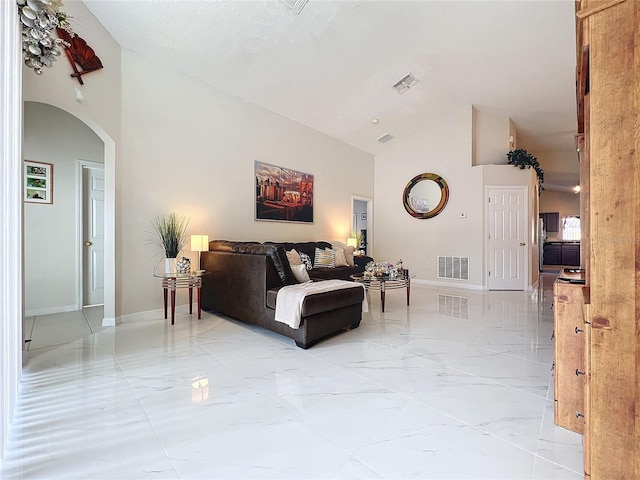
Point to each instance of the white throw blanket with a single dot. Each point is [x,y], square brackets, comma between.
[290,298]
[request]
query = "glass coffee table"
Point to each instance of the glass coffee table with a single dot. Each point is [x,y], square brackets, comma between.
[385,283]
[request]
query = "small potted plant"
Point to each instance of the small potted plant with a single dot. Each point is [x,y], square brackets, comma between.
[522,159]
[170,233]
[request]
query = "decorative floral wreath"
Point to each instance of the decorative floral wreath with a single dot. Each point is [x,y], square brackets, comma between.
[39,19]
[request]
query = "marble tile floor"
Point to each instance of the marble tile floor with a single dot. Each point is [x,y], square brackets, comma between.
[47,332]
[456,386]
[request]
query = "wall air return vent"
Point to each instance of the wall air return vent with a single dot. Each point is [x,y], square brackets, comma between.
[456,268]
[295,5]
[385,138]
[405,83]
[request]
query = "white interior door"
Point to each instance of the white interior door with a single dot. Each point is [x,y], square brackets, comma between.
[93,236]
[507,243]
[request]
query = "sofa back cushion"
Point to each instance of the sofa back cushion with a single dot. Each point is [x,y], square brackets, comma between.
[275,252]
[308,248]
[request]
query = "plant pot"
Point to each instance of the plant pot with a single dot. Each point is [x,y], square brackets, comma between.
[170,267]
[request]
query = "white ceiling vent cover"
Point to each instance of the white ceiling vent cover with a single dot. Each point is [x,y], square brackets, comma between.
[405,83]
[385,138]
[456,268]
[295,5]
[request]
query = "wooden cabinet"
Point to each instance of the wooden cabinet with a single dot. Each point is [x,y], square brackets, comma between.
[569,348]
[552,254]
[551,221]
[561,254]
[571,254]
[608,97]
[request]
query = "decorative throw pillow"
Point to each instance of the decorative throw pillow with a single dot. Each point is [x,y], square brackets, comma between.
[306,260]
[300,272]
[294,258]
[348,252]
[324,258]
[348,255]
[340,259]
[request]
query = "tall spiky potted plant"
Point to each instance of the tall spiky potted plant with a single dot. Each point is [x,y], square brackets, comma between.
[170,233]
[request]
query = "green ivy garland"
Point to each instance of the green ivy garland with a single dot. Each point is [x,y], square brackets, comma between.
[522,159]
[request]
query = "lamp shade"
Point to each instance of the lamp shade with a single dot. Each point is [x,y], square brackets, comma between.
[352,242]
[199,243]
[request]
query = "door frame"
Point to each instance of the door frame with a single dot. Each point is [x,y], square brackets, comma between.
[527,237]
[80,165]
[369,202]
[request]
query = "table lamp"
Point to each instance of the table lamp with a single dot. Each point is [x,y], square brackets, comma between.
[352,242]
[199,243]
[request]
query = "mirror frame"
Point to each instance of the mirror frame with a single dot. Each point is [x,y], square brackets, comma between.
[444,198]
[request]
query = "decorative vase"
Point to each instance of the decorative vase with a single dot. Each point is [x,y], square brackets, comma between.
[184,266]
[170,267]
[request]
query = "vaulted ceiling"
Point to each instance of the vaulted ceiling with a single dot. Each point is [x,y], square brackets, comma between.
[332,66]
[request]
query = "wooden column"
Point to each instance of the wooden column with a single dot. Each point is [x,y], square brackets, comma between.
[613,412]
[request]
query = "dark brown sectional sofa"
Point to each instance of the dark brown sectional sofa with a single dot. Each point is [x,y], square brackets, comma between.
[245,278]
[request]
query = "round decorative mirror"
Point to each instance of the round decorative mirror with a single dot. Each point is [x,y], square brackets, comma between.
[425,196]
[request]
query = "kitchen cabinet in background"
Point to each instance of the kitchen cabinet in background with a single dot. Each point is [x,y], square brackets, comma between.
[551,221]
[561,253]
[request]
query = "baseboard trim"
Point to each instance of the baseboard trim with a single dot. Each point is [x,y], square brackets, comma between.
[49,310]
[154,314]
[110,322]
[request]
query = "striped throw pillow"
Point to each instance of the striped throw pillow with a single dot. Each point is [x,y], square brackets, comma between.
[324,258]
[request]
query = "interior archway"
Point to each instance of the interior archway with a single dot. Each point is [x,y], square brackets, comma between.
[109,212]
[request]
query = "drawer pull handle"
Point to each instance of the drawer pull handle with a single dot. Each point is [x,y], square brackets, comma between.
[578,372]
[578,330]
[579,415]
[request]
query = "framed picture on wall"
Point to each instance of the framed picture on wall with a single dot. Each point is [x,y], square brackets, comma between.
[283,194]
[38,182]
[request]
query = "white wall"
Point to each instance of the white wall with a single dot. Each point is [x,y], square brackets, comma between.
[101,89]
[491,133]
[189,149]
[50,236]
[445,148]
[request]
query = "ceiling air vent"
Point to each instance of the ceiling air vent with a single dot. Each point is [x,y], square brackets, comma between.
[295,5]
[405,83]
[385,138]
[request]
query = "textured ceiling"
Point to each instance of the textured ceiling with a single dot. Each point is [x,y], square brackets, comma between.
[332,66]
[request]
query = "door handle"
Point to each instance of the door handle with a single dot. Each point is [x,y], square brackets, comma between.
[88,243]
[522,244]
